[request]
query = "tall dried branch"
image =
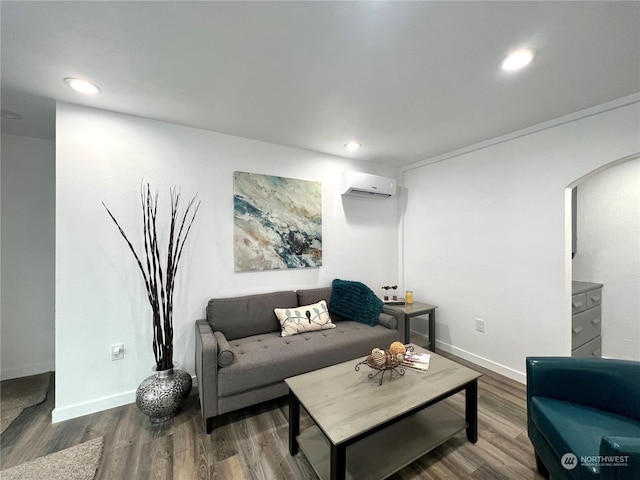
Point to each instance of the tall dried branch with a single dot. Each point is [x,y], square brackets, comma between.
[159,281]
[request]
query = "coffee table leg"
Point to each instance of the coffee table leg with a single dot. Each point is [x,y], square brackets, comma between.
[471,410]
[294,423]
[338,462]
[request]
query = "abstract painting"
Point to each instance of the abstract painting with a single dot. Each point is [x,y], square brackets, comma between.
[277,222]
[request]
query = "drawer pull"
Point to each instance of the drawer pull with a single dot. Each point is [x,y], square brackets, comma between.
[595,321]
[595,298]
[577,330]
[576,304]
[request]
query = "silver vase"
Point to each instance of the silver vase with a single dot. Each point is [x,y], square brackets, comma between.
[161,395]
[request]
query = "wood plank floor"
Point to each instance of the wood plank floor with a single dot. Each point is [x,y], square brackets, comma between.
[252,444]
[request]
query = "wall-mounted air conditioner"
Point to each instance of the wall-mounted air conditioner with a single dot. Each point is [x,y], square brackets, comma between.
[367,185]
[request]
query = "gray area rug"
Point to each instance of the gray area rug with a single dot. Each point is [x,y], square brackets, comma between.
[76,463]
[20,393]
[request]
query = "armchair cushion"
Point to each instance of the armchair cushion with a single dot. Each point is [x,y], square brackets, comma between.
[619,449]
[573,428]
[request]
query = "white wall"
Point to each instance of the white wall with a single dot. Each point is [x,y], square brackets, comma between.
[100,298]
[608,226]
[28,208]
[485,236]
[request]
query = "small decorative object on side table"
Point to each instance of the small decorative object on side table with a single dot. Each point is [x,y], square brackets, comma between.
[394,288]
[386,295]
[408,297]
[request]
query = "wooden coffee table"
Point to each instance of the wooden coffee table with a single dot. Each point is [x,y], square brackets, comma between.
[364,430]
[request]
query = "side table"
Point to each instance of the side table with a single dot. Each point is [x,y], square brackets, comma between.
[404,313]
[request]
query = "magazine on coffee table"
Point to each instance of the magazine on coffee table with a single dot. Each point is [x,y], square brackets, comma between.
[416,357]
[416,367]
[417,361]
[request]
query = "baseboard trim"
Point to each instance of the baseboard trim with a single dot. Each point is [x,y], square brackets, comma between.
[27,370]
[60,414]
[508,372]
[520,377]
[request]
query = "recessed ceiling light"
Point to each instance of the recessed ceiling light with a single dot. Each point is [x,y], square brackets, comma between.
[9,115]
[352,146]
[518,59]
[83,86]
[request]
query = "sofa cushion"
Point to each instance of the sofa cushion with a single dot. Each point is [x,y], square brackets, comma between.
[265,359]
[306,318]
[574,428]
[355,301]
[314,295]
[240,317]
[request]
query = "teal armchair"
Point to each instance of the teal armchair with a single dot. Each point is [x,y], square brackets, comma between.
[583,417]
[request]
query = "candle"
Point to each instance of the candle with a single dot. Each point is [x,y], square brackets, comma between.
[408,296]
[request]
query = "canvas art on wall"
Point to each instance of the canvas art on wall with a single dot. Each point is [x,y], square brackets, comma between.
[277,222]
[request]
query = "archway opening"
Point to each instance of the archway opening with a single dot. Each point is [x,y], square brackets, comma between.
[605,226]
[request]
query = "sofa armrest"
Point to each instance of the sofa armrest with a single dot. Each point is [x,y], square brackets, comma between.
[624,455]
[207,371]
[607,384]
[388,321]
[225,354]
[399,316]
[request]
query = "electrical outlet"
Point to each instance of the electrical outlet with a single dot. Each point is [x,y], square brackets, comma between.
[480,325]
[117,351]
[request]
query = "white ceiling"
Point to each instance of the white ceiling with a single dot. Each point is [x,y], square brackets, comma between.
[409,80]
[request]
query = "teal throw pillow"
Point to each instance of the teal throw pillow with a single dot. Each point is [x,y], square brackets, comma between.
[355,301]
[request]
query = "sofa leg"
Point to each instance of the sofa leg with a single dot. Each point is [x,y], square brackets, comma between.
[542,470]
[209,425]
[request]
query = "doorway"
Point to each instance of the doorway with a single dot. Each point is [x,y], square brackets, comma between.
[607,252]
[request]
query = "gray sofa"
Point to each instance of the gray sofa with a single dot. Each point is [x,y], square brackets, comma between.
[241,358]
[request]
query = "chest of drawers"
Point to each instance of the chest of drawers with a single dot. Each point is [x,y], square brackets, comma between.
[586,320]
